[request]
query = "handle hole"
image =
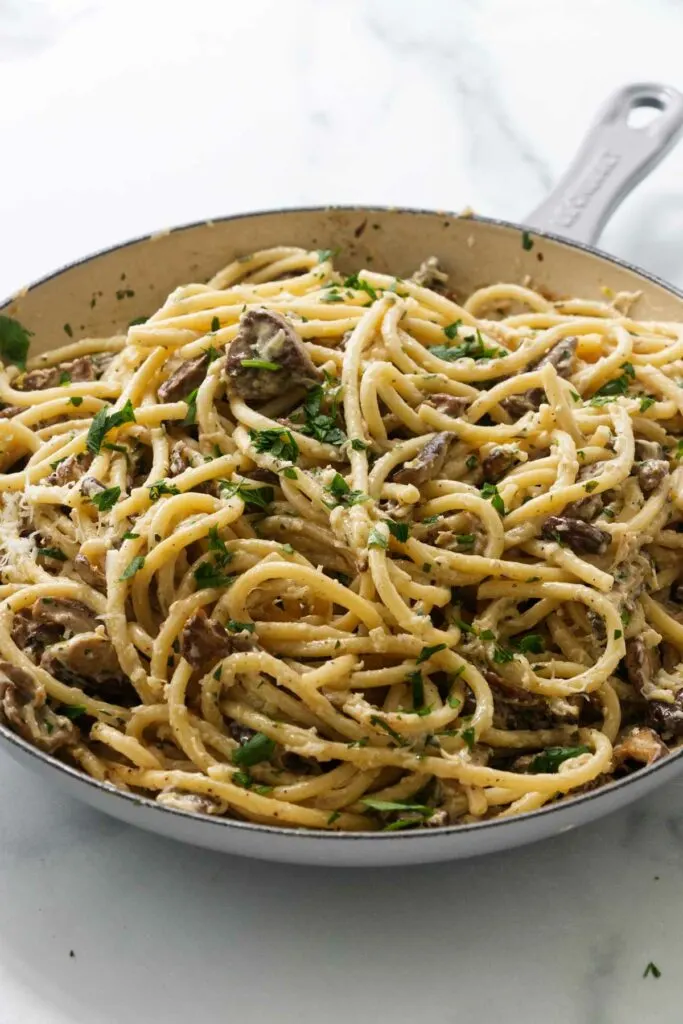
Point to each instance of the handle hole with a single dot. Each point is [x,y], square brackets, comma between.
[644,110]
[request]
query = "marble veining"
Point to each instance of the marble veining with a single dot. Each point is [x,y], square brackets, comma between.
[118,118]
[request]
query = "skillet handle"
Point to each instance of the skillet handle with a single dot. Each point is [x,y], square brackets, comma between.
[614,157]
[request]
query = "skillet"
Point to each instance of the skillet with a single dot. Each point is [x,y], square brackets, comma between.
[554,248]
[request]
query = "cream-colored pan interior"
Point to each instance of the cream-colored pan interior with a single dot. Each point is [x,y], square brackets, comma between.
[104,293]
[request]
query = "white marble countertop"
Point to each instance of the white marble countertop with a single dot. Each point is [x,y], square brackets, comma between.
[119,118]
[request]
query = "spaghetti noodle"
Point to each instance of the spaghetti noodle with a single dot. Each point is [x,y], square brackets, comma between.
[340,552]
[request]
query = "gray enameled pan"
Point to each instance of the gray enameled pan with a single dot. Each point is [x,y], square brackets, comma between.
[104,292]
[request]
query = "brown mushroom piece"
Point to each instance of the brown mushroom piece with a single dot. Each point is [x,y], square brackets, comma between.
[451,405]
[185,379]
[651,473]
[9,411]
[638,744]
[180,459]
[429,461]
[561,356]
[90,486]
[70,470]
[665,717]
[89,661]
[192,803]
[204,641]
[71,616]
[648,450]
[90,571]
[641,663]
[499,460]
[81,369]
[583,538]
[23,708]
[267,357]
[429,274]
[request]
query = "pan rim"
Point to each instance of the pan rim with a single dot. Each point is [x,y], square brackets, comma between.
[293,834]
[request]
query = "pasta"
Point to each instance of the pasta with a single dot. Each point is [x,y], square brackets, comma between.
[339,552]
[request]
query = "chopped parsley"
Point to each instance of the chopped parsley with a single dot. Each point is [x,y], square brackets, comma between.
[161,487]
[320,425]
[277,442]
[68,330]
[358,445]
[451,331]
[260,364]
[491,491]
[395,805]
[471,461]
[290,473]
[327,254]
[418,688]
[614,388]
[103,422]
[356,282]
[129,535]
[216,544]
[76,400]
[54,553]
[191,415]
[527,241]
[465,540]
[261,497]
[106,499]
[651,969]
[471,348]
[400,531]
[590,485]
[72,710]
[469,737]
[215,324]
[207,574]
[343,494]
[646,402]
[377,539]
[137,321]
[258,748]
[618,634]
[427,652]
[134,566]
[531,644]
[376,720]
[239,627]
[14,342]
[333,817]
[549,761]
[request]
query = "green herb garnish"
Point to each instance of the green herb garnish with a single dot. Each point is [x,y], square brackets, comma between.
[134,566]
[54,553]
[279,443]
[103,422]
[549,761]
[258,748]
[106,499]
[400,531]
[14,342]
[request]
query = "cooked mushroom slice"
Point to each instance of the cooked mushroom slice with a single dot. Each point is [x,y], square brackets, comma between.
[561,356]
[89,661]
[500,459]
[667,718]
[267,357]
[528,401]
[429,274]
[70,470]
[638,744]
[72,616]
[586,509]
[241,733]
[194,803]
[641,663]
[452,405]
[429,461]
[648,450]
[181,458]
[185,379]
[204,641]
[90,486]
[582,538]
[90,567]
[9,411]
[23,707]
[80,369]
[650,474]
